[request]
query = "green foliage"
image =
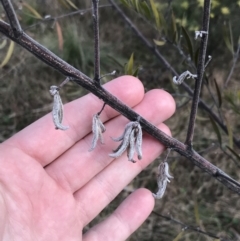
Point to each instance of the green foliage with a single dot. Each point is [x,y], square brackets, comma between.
[148,9]
[216,130]
[188,41]
[129,67]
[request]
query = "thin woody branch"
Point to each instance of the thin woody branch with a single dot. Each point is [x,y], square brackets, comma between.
[236,56]
[159,56]
[186,227]
[12,17]
[200,72]
[81,79]
[96,41]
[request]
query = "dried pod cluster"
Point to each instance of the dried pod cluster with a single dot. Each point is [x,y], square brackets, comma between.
[57,112]
[162,179]
[97,129]
[131,141]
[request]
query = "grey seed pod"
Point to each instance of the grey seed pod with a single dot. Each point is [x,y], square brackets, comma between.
[97,129]
[131,141]
[162,179]
[139,142]
[57,112]
[182,77]
[131,148]
[125,141]
[127,127]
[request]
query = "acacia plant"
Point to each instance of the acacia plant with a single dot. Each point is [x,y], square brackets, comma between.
[131,139]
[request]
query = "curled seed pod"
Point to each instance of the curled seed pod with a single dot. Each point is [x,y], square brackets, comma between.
[127,128]
[97,129]
[182,77]
[131,141]
[200,34]
[162,179]
[57,112]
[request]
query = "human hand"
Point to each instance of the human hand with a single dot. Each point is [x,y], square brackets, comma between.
[51,186]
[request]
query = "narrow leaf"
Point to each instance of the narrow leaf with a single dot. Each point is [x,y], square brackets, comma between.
[129,66]
[163,23]
[135,73]
[8,55]
[64,3]
[145,10]
[136,5]
[116,61]
[230,99]
[189,42]
[72,4]
[155,13]
[60,36]
[174,29]
[125,3]
[32,10]
[227,36]
[218,93]
[196,212]
[179,236]
[233,152]
[230,133]
[3,44]
[216,130]
[158,42]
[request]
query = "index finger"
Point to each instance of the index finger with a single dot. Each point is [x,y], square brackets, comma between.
[44,143]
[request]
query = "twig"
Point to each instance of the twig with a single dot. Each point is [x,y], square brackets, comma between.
[78,77]
[51,18]
[12,17]
[159,56]
[233,66]
[190,227]
[99,113]
[200,72]
[96,41]
[230,156]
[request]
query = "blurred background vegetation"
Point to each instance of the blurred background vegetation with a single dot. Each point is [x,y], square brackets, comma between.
[193,197]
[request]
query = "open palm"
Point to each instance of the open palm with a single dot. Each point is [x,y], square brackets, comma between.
[51,186]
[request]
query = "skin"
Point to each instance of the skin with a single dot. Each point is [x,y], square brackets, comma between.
[51,186]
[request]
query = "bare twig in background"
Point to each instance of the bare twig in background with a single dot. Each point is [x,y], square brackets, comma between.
[186,227]
[49,18]
[200,72]
[96,40]
[233,66]
[16,27]
[78,77]
[186,87]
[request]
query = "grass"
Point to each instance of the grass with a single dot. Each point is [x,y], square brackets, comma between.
[192,196]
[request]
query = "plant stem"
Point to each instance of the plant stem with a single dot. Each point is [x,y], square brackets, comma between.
[78,77]
[96,41]
[200,72]
[190,227]
[236,55]
[160,57]
[12,17]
